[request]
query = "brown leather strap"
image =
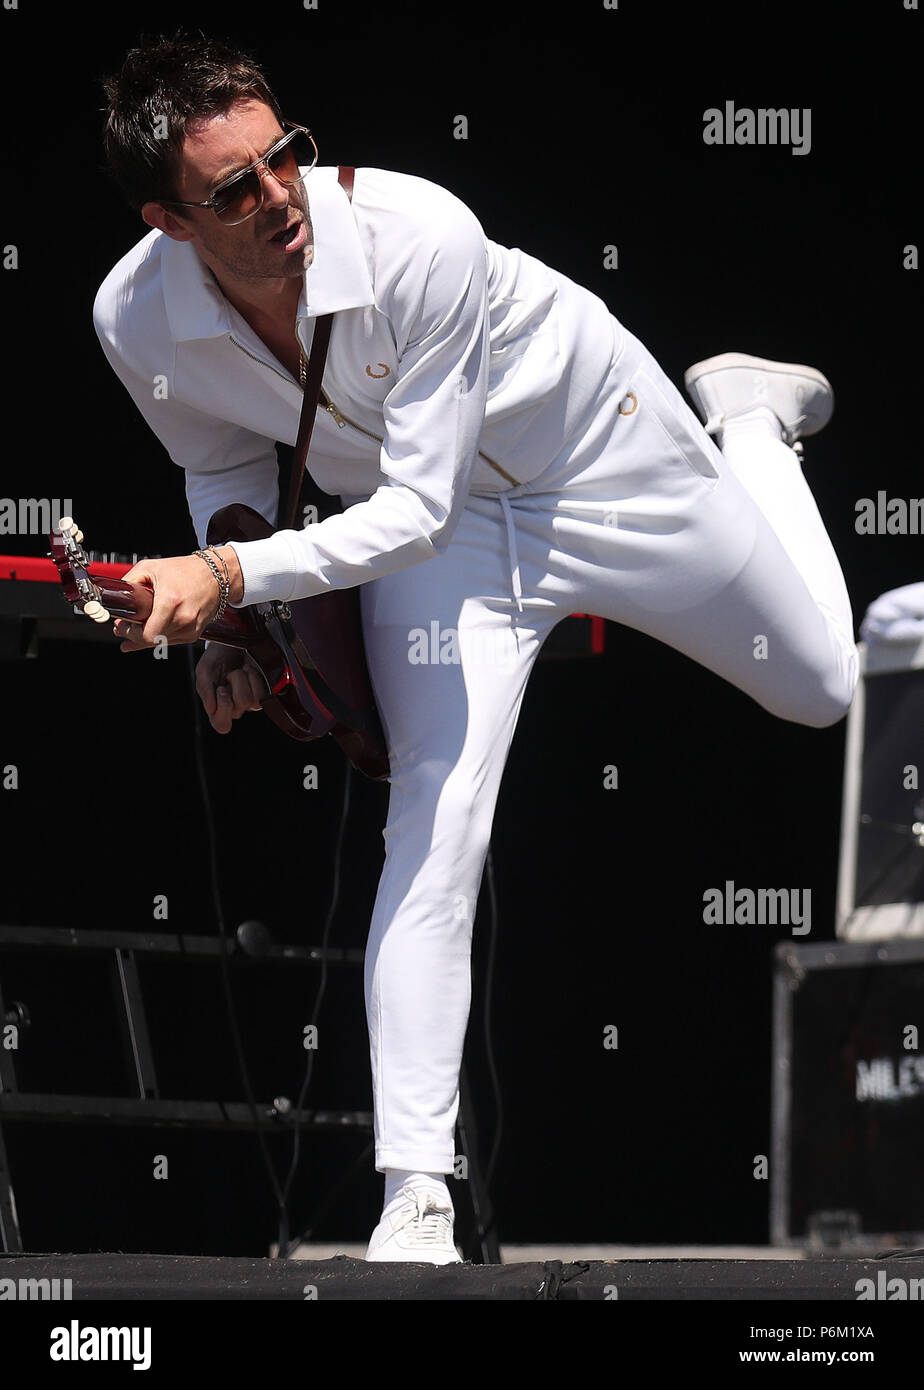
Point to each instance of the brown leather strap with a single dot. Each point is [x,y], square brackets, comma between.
[312,392]
[310,399]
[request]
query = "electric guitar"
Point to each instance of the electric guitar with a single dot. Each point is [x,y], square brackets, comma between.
[310,651]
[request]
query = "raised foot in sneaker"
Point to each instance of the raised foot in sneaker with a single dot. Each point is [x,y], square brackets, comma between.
[420,1230]
[733,383]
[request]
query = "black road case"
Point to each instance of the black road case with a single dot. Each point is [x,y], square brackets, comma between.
[847,1163]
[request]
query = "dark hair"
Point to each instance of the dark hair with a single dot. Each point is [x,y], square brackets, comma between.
[165,87]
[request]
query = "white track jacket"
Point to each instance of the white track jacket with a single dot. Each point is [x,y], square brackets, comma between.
[455,366]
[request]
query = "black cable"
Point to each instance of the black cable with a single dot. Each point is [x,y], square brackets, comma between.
[879,878]
[284,1243]
[222,931]
[489,1048]
[334,1193]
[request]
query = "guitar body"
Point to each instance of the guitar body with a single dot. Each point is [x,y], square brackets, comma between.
[315,660]
[310,652]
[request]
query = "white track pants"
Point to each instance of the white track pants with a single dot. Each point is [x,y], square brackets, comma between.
[722,555]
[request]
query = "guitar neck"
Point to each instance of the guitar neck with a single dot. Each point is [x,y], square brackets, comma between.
[134,603]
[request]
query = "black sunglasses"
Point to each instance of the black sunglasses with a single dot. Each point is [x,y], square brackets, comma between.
[240,196]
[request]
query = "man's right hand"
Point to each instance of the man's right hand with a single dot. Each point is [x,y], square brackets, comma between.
[229,684]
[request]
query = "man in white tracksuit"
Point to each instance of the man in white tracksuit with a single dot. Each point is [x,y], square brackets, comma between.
[507,453]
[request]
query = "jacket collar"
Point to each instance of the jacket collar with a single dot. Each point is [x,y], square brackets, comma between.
[337,278]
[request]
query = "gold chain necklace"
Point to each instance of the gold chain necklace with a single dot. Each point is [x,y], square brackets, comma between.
[302,367]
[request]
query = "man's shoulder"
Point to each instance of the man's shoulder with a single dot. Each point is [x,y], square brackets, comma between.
[406,223]
[387,193]
[130,284]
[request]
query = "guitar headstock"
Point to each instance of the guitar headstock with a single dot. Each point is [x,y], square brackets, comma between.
[71,560]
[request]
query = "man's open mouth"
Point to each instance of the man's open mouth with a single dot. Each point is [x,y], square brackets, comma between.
[287,234]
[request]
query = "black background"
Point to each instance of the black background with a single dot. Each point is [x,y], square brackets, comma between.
[585,130]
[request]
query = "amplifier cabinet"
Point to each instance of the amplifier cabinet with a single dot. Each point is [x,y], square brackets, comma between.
[880,890]
[847,1123]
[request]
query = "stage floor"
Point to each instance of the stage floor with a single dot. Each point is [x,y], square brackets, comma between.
[638,1277]
[569,1254]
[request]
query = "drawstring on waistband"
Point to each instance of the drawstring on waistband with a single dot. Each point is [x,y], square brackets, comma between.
[512,552]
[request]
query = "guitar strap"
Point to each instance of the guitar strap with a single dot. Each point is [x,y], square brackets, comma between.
[312,392]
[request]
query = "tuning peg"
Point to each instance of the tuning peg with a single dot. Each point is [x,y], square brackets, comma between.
[79,537]
[66,526]
[95,610]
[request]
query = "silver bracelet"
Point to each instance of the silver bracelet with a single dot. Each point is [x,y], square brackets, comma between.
[224,585]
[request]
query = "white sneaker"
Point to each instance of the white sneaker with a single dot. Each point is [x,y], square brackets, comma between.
[419,1230]
[732,383]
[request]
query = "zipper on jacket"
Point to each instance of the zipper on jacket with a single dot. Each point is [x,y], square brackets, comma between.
[342,419]
[345,420]
[263,362]
[332,409]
